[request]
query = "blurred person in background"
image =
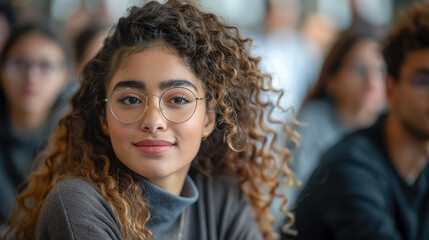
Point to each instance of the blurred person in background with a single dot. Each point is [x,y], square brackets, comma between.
[293,58]
[374,184]
[88,43]
[349,94]
[86,13]
[34,74]
[290,56]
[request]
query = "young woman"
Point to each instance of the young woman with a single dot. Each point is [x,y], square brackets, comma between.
[33,78]
[166,139]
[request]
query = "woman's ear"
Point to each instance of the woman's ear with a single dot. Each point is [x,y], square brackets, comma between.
[104,126]
[210,119]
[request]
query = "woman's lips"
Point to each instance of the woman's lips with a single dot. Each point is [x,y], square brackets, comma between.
[153,146]
[29,93]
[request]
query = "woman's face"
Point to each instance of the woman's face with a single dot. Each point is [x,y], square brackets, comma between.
[152,146]
[359,83]
[34,74]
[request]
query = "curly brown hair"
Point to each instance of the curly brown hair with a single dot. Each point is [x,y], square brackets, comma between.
[411,32]
[242,144]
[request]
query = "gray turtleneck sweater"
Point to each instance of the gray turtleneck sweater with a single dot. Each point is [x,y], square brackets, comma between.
[214,207]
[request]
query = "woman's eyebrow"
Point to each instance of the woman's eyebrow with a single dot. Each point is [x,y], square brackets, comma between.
[176,83]
[163,85]
[131,84]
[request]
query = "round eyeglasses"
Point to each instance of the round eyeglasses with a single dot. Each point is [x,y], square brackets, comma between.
[128,105]
[17,67]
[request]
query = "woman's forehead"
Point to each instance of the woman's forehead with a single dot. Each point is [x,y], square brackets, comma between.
[154,68]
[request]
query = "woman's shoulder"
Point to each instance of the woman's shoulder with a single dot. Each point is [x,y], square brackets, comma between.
[76,194]
[76,207]
[316,108]
[75,184]
[75,189]
[319,120]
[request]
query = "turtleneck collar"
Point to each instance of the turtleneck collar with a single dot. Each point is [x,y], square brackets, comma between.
[165,207]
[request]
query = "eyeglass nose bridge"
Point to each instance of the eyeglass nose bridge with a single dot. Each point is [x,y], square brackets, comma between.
[161,109]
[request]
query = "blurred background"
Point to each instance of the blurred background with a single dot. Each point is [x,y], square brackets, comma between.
[291,36]
[296,40]
[248,15]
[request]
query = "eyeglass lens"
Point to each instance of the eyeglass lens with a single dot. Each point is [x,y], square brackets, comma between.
[176,104]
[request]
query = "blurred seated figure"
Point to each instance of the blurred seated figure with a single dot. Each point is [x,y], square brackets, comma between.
[374,184]
[88,43]
[288,54]
[33,88]
[349,94]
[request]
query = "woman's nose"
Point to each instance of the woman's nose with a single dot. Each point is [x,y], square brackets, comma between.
[153,120]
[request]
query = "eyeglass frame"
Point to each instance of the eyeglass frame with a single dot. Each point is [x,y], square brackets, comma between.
[146,107]
[12,62]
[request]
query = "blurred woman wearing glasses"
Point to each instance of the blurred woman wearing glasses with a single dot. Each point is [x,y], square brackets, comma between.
[33,76]
[166,138]
[349,94]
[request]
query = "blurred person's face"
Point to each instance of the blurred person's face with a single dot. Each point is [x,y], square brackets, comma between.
[281,18]
[359,84]
[409,96]
[34,74]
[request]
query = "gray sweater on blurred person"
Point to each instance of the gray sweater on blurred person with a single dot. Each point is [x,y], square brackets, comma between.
[18,151]
[322,130]
[214,206]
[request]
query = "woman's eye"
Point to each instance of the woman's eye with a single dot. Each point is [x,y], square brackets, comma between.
[22,64]
[130,100]
[178,100]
